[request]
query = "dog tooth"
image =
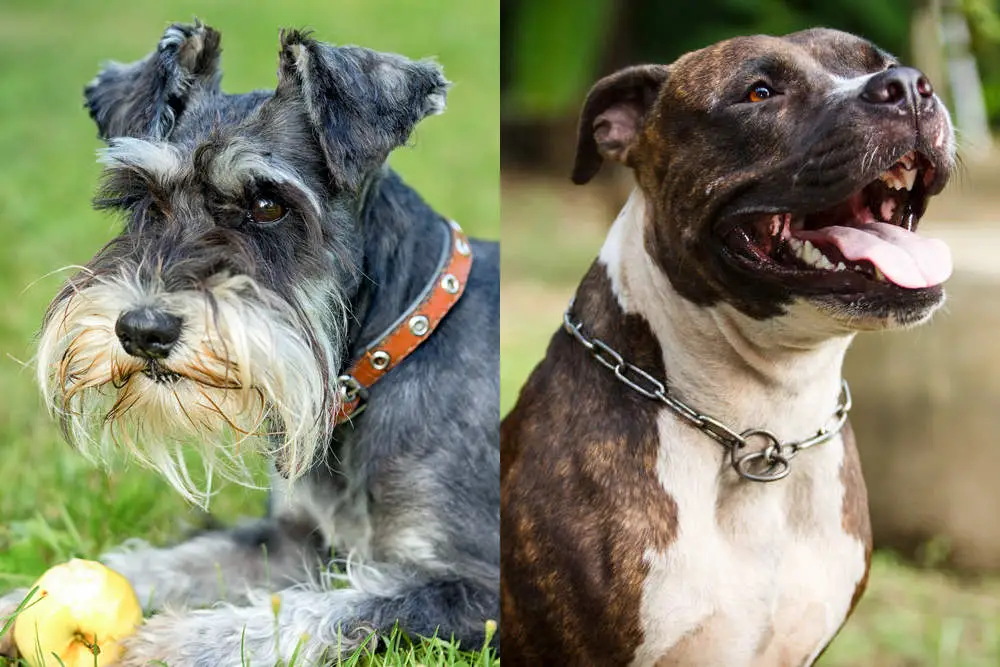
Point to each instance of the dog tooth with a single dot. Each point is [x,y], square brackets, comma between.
[891,179]
[879,276]
[812,256]
[799,249]
[823,262]
[909,177]
[813,253]
[841,266]
[908,160]
[807,252]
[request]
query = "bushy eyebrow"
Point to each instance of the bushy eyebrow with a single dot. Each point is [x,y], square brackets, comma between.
[159,161]
[233,166]
[135,169]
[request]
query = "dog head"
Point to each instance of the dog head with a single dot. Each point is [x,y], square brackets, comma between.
[219,312]
[782,169]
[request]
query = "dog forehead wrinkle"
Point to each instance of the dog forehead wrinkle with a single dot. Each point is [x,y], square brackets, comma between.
[846,58]
[840,52]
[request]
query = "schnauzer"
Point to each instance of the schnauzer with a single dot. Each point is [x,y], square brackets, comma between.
[266,245]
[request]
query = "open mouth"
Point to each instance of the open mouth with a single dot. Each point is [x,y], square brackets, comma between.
[159,374]
[872,234]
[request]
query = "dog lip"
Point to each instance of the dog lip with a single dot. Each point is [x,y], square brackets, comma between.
[762,239]
[160,374]
[933,174]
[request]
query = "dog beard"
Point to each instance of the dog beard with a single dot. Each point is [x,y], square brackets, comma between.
[250,371]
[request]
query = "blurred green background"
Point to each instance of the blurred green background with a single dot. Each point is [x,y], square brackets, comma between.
[921,397]
[53,504]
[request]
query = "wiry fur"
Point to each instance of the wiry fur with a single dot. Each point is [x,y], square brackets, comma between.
[406,496]
[247,368]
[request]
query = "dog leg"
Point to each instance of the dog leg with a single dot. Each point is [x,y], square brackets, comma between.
[219,566]
[316,624]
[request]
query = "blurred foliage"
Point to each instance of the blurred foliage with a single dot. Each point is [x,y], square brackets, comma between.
[556,49]
[984,26]
[884,22]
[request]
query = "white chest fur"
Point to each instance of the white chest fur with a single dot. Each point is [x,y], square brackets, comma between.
[757,574]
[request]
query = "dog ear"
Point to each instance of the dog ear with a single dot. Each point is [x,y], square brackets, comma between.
[145,98]
[613,115]
[362,103]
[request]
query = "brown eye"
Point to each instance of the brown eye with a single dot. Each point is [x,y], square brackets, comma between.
[759,92]
[265,210]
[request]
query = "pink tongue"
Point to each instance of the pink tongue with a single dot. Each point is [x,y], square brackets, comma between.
[903,257]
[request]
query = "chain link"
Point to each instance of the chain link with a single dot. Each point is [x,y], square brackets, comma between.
[768,464]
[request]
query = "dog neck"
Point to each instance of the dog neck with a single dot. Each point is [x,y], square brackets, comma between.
[782,374]
[401,239]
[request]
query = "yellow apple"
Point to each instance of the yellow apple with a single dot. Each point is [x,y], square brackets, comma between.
[78,605]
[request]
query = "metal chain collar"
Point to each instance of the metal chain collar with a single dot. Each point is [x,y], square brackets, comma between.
[769,464]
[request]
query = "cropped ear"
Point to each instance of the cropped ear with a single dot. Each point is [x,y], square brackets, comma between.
[613,115]
[361,103]
[145,98]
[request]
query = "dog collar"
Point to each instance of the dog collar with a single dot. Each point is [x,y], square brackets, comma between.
[411,328]
[769,464]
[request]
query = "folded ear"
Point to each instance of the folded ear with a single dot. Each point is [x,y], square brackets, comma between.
[613,115]
[145,98]
[362,103]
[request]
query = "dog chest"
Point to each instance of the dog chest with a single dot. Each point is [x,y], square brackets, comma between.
[758,574]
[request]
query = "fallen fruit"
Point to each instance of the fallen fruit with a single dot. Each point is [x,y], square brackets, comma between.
[81,610]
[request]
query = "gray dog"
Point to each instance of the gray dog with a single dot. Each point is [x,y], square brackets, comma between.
[266,245]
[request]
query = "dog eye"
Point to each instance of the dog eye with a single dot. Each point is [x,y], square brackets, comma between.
[759,92]
[265,210]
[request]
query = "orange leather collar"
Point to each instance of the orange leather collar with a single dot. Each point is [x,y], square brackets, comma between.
[411,328]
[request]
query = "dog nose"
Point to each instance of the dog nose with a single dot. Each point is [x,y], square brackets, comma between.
[897,85]
[148,333]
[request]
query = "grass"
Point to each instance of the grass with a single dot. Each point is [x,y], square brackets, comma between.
[396,650]
[53,504]
[910,616]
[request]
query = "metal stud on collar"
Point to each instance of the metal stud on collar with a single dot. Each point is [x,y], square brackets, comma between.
[450,284]
[462,246]
[419,325]
[380,360]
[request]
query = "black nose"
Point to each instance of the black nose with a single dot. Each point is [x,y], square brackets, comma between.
[897,85]
[148,333]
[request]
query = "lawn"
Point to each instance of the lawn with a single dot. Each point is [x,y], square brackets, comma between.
[911,616]
[53,504]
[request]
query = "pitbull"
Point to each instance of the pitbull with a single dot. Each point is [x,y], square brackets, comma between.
[780,183]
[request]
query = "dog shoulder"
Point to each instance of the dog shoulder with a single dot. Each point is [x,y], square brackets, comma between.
[580,508]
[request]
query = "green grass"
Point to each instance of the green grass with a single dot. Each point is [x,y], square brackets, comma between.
[396,650]
[910,616]
[53,504]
